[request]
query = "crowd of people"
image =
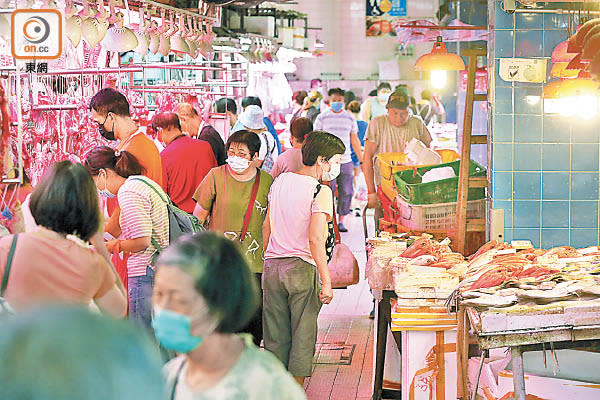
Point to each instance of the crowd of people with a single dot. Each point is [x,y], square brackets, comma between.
[206,301]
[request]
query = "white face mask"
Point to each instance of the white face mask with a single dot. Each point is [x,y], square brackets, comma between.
[383,97]
[333,172]
[238,164]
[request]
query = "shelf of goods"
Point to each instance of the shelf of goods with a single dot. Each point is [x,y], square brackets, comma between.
[511,295]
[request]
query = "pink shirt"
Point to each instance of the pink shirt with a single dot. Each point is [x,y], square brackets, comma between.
[289,161]
[292,202]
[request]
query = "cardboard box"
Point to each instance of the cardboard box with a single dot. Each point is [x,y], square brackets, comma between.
[429,365]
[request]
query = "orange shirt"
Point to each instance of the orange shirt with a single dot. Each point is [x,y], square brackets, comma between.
[147,154]
[47,267]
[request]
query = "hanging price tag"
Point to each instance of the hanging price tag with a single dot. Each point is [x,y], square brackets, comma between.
[523,70]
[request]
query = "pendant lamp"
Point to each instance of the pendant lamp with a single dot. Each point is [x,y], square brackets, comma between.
[438,62]
[560,54]
[561,70]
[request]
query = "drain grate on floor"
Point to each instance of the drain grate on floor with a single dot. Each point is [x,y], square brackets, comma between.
[334,353]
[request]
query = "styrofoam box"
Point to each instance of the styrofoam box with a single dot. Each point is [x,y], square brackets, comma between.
[416,380]
[575,376]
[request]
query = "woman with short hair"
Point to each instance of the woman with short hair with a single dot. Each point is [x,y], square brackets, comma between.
[197,317]
[223,199]
[291,159]
[296,279]
[144,220]
[55,263]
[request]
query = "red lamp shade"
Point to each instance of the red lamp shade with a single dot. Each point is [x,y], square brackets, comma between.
[552,90]
[560,54]
[439,59]
[560,70]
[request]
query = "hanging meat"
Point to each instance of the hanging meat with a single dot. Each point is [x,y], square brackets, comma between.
[5,126]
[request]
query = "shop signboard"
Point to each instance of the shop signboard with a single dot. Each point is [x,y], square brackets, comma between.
[523,70]
[381,14]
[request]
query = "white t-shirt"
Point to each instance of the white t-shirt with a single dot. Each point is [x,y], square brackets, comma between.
[292,202]
[340,124]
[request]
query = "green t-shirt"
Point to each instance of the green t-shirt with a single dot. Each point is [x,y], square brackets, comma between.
[226,199]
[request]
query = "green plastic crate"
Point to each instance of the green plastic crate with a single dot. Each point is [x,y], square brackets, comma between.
[410,188]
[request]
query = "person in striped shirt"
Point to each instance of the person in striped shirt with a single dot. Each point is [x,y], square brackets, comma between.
[144,220]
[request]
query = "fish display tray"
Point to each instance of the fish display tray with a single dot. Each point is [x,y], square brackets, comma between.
[435,216]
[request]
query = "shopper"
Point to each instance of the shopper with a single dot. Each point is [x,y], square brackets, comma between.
[193,124]
[204,294]
[342,124]
[354,109]
[375,106]
[228,107]
[110,109]
[67,353]
[390,133]
[225,194]
[311,108]
[144,220]
[298,99]
[291,160]
[54,263]
[252,119]
[253,100]
[185,161]
[296,278]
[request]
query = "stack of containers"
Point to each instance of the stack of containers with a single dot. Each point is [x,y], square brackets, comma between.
[393,201]
[431,206]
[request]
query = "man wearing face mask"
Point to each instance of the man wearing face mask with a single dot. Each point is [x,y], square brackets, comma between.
[110,110]
[185,161]
[234,198]
[390,133]
[375,106]
[342,124]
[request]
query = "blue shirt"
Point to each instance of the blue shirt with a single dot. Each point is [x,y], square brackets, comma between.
[362,131]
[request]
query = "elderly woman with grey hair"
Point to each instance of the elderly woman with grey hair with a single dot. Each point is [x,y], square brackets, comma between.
[203,294]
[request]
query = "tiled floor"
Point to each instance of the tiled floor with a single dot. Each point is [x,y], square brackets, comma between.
[346,320]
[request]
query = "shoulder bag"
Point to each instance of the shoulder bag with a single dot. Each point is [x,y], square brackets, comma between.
[248,214]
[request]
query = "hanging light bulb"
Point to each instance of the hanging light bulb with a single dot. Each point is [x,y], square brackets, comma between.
[438,79]
[438,62]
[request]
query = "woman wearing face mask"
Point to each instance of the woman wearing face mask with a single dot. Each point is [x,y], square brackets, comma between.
[204,294]
[54,263]
[296,279]
[144,220]
[233,198]
[375,106]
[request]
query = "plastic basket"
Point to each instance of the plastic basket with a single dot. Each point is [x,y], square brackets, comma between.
[435,216]
[390,163]
[410,188]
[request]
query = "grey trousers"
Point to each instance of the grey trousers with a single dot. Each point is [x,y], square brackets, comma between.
[344,184]
[291,307]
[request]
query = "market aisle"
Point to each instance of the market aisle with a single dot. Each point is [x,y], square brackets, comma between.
[345,335]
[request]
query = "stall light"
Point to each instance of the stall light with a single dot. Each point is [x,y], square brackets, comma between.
[438,62]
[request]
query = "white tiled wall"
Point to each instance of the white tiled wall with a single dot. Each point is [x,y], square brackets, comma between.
[355,55]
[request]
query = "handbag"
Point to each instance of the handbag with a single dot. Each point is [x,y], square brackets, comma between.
[5,308]
[250,206]
[343,266]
